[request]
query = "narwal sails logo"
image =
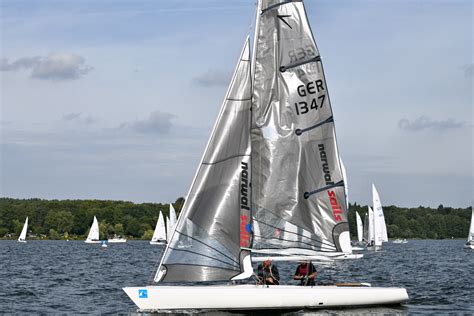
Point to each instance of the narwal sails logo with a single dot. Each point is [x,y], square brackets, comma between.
[336,207]
[245,227]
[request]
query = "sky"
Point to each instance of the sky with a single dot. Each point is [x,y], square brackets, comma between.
[116,99]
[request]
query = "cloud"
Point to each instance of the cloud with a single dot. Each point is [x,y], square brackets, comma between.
[79,118]
[157,123]
[55,66]
[468,70]
[425,123]
[213,78]
[24,62]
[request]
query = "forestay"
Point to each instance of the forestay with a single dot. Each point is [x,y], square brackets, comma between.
[205,246]
[297,185]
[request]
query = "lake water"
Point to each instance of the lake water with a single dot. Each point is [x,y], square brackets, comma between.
[77,278]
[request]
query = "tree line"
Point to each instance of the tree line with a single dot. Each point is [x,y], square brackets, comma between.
[61,219]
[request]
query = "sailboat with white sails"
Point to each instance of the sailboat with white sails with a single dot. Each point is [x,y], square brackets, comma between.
[93,236]
[159,235]
[275,131]
[24,230]
[470,237]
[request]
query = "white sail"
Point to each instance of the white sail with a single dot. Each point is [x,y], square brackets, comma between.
[470,238]
[172,216]
[22,237]
[371,226]
[159,235]
[168,229]
[360,228]
[380,218]
[93,236]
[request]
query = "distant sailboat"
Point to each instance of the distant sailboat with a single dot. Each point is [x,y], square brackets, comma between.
[470,238]
[379,216]
[22,237]
[93,237]
[117,240]
[159,235]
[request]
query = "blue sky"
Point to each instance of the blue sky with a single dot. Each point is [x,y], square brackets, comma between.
[116,99]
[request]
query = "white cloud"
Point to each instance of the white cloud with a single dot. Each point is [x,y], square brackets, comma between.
[55,66]
[213,78]
[425,123]
[79,118]
[60,66]
[157,123]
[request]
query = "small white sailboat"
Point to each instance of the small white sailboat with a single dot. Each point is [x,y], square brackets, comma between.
[22,237]
[400,241]
[93,236]
[279,98]
[117,240]
[380,219]
[360,231]
[470,238]
[159,235]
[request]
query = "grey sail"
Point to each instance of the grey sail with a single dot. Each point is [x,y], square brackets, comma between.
[297,183]
[205,245]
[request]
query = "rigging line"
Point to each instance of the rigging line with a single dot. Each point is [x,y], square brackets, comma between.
[273,6]
[200,254]
[337,184]
[177,231]
[320,241]
[304,62]
[299,131]
[225,159]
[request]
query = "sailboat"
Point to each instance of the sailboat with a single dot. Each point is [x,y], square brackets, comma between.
[117,240]
[22,237]
[470,237]
[360,231]
[271,161]
[371,244]
[159,235]
[93,237]
[380,217]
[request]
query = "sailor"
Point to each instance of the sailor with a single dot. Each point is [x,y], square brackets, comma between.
[268,273]
[305,273]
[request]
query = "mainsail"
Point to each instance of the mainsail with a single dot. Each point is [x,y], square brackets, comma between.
[470,238]
[379,216]
[296,175]
[160,231]
[216,214]
[371,226]
[94,231]
[360,228]
[24,230]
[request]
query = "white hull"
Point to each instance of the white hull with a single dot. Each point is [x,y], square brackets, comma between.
[358,248]
[469,246]
[250,297]
[116,241]
[92,241]
[159,242]
[19,240]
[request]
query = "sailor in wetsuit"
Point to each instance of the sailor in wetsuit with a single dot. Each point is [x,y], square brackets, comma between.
[268,273]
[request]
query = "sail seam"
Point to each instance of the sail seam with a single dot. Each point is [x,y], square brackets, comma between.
[290,66]
[231,99]
[338,184]
[273,6]
[299,131]
[216,250]
[320,241]
[225,159]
